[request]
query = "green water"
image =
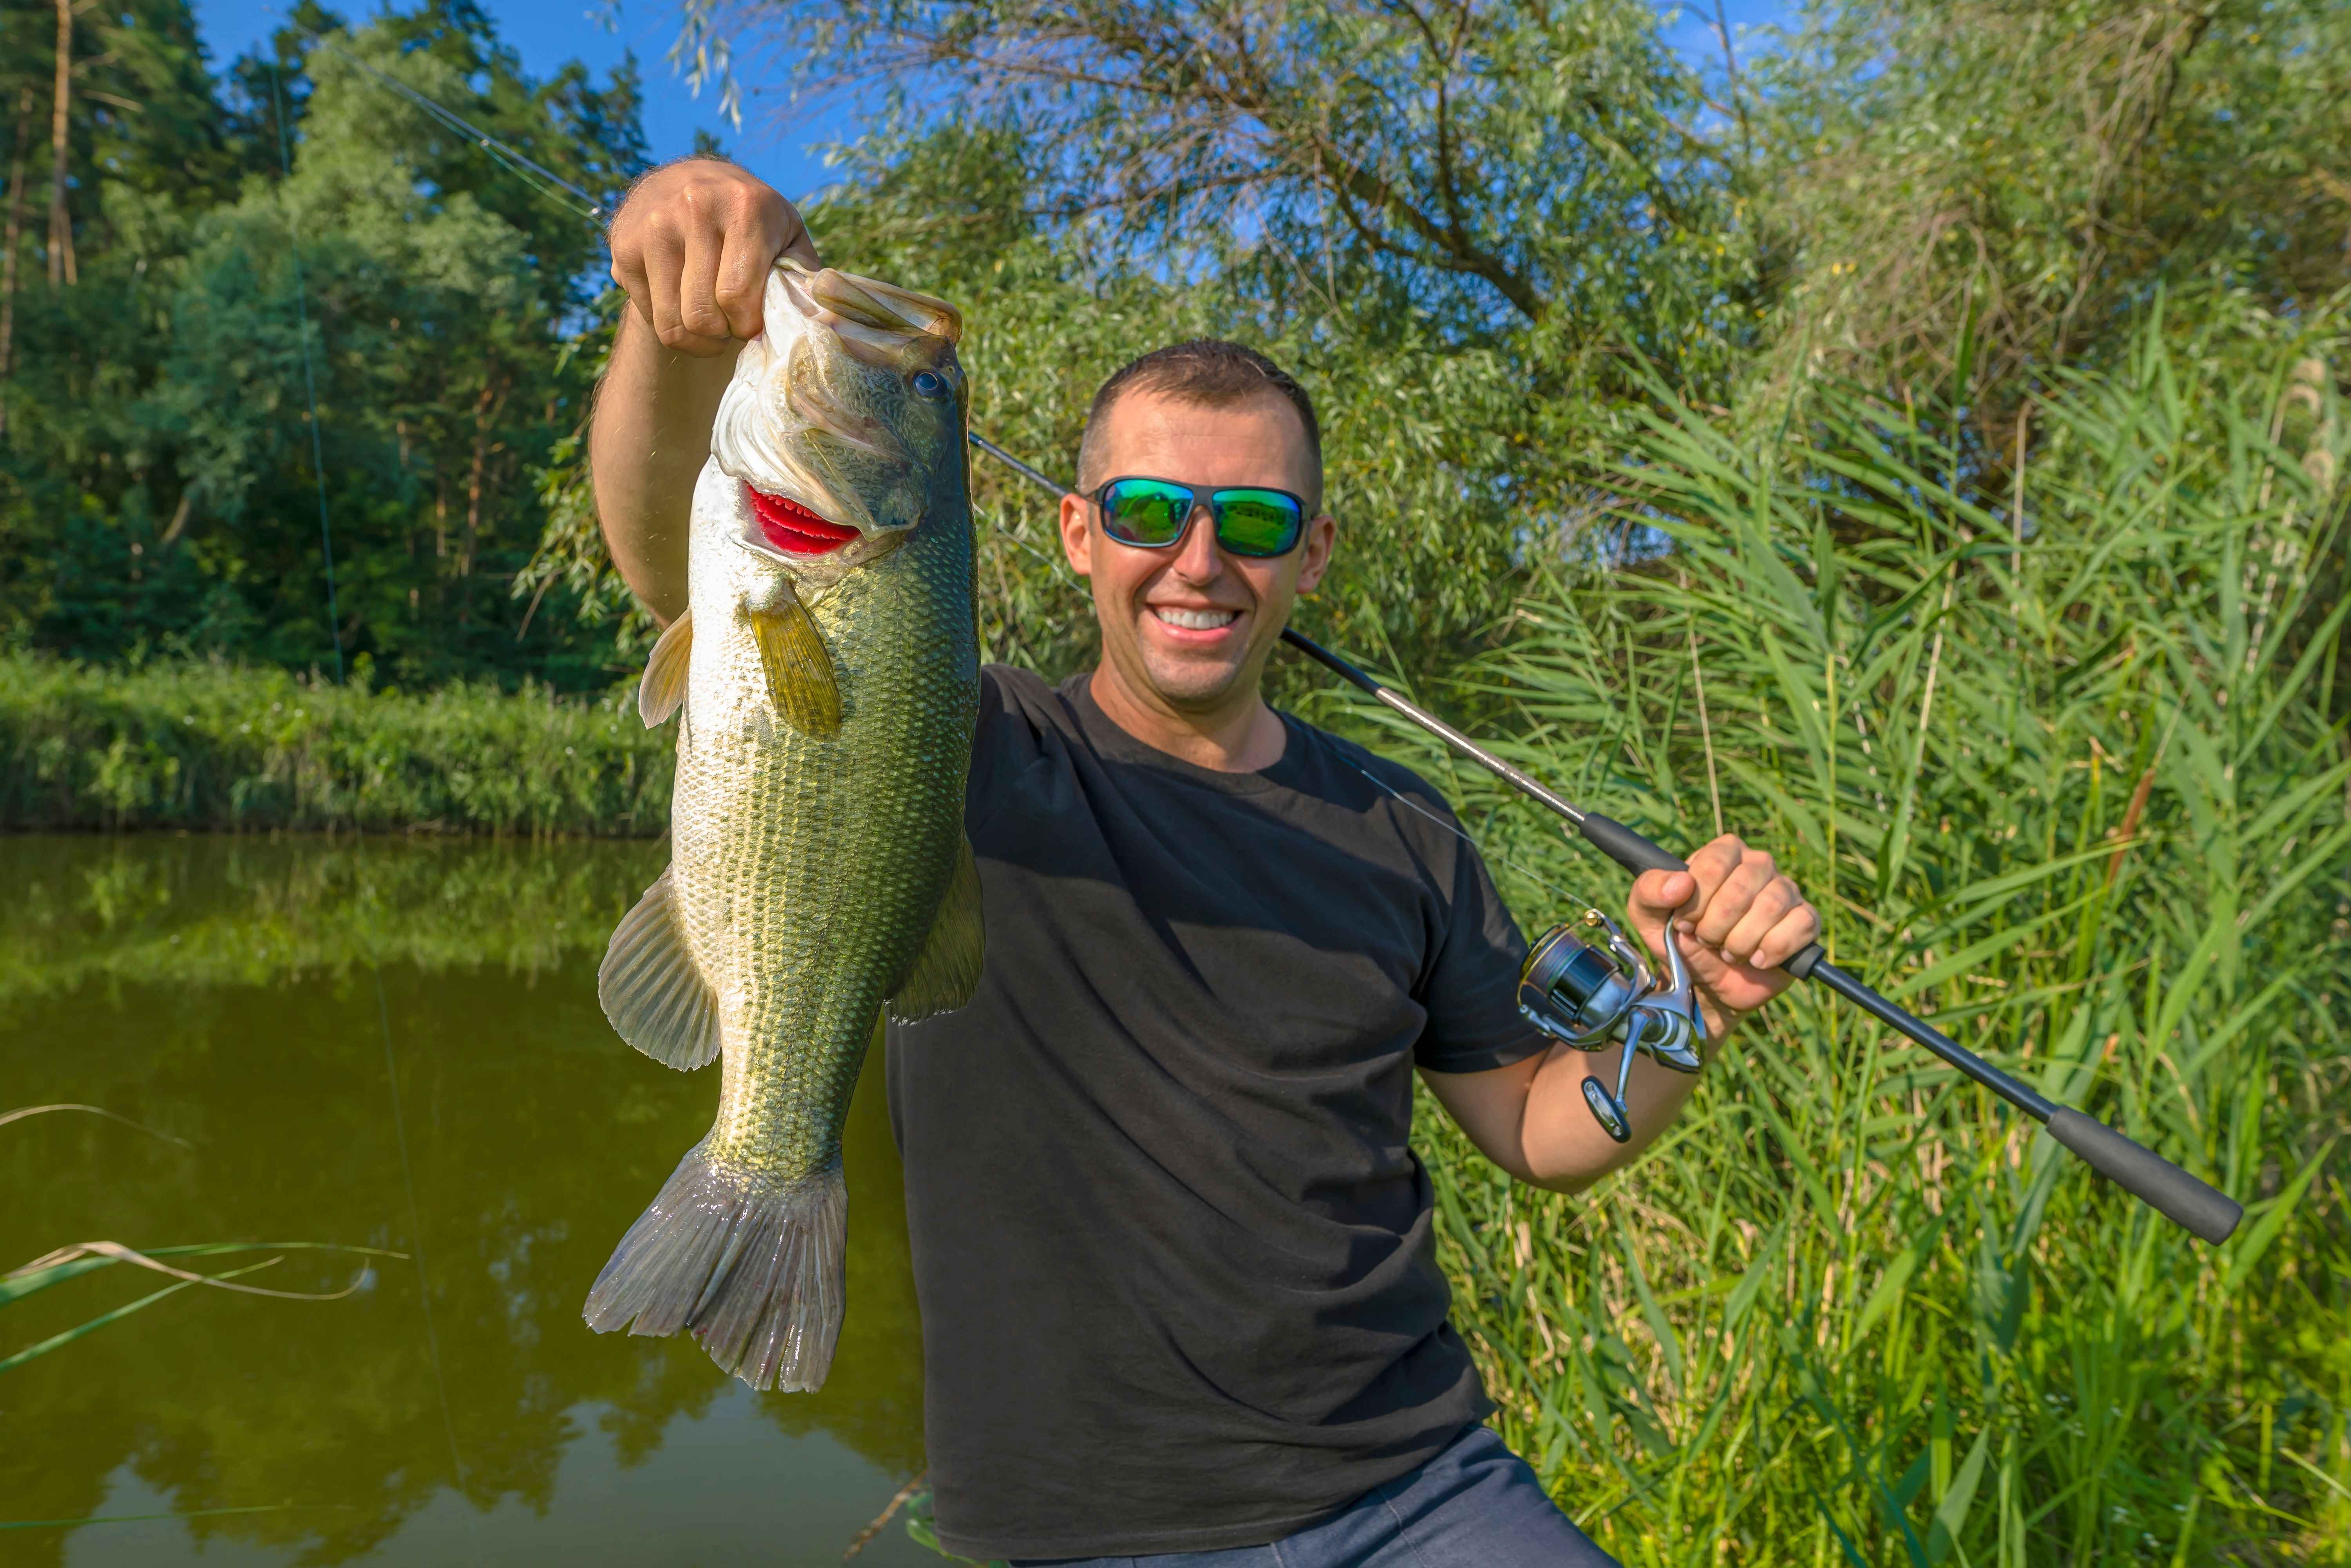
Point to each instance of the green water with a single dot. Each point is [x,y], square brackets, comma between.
[485,1120]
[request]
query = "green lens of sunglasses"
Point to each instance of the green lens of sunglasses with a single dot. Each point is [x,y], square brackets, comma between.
[1256,522]
[1149,512]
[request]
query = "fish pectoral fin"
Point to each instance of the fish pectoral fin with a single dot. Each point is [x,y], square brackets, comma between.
[651,989]
[946,971]
[661,691]
[798,667]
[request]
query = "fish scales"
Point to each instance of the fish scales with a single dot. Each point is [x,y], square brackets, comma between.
[843,845]
[826,669]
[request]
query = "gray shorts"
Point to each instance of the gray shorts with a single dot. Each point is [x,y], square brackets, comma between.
[1475,1505]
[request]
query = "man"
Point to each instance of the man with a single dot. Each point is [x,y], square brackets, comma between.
[1173,1254]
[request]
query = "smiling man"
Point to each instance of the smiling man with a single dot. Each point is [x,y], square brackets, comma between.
[1173,1250]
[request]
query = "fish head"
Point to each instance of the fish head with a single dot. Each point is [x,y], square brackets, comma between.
[844,421]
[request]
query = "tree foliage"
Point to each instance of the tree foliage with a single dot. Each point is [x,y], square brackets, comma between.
[157,480]
[2024,178]
[1490,234]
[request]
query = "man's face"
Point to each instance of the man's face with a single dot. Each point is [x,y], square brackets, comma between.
[1190,626]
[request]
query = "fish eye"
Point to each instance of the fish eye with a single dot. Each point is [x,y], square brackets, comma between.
[932,385]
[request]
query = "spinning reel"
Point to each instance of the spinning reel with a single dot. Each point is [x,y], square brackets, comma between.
[1587,989]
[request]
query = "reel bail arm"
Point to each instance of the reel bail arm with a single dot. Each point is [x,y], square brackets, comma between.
[2198,1208]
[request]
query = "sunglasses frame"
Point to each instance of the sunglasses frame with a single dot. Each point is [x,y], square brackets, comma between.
[1200,494]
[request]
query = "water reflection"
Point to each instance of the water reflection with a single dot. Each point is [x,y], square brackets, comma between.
[224,990]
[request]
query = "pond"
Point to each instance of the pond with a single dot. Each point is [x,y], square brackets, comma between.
[394,1045]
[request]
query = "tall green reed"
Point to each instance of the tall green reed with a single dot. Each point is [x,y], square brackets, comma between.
[2061,775]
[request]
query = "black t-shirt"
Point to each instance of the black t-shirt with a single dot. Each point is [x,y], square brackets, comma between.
[1178,1285]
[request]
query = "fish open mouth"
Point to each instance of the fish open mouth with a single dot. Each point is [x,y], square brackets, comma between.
[792,527]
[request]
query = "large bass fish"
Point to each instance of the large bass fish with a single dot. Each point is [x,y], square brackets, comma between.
[829,674]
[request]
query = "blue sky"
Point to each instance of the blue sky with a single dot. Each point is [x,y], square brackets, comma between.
[546,32]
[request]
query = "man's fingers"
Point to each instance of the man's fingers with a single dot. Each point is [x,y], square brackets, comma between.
[1729,901]
[656,259]
[1791,935]
[741,287]
[629,272]
[697,285]
[1764,911]
[693,246]
[1709,867]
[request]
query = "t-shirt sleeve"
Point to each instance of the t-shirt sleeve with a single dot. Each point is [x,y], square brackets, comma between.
[986,741]
[1003,737]
[1471,990]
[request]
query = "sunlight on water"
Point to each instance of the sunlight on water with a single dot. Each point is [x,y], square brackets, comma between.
[222,991]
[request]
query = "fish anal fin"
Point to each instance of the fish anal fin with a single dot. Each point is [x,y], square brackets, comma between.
[798,668]
[946,971]
[651,988]
[663,687]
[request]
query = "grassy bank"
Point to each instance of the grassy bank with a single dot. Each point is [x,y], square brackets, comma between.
[214,747]
[2085,806]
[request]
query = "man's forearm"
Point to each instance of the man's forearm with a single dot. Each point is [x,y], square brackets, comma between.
[1565,1149]
[646,446]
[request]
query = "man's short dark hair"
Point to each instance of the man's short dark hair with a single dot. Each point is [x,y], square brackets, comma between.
[1207,370]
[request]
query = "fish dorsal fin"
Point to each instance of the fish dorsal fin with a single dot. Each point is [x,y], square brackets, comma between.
[799,670]
[651,990]
[946,971]
[663,687]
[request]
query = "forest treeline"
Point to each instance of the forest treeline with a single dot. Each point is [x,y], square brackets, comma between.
[1493,238]
[166,288]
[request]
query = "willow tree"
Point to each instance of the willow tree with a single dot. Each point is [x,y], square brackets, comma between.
[2011,184]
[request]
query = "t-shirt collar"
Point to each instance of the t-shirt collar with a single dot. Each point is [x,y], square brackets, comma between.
[1110,741]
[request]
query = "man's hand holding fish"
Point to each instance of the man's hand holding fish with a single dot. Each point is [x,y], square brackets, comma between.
[1162,964]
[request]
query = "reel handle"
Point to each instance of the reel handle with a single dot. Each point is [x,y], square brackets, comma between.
[2194,1205]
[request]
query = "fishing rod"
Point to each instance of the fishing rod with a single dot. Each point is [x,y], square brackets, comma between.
[1587,993]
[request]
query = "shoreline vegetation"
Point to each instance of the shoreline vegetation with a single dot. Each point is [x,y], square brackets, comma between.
[213,747]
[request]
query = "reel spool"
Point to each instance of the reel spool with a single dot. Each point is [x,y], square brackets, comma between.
[1587,992]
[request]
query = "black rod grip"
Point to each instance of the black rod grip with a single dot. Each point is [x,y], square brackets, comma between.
[1329,659]
[2148,1176]
[1633,850]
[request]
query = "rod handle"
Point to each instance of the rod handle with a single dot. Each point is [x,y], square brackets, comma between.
[1635,851]
[2164,1186]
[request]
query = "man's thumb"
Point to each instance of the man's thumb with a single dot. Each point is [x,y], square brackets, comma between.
[1657,893]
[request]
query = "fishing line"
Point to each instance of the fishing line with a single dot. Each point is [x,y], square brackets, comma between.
[334,629]
[513,158]
[415,1227]
[309,377]
[1457,831]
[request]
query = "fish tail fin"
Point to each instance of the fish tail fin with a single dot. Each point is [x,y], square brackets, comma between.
[751,1267]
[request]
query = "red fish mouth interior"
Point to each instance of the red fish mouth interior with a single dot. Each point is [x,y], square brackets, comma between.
[792,527]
